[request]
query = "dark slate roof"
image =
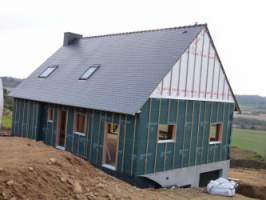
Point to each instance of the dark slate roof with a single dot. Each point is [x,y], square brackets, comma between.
[132,65]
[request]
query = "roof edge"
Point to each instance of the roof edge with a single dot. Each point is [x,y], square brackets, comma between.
[144,31]
[237,107]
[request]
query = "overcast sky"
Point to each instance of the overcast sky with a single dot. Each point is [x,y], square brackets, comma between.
[30,31]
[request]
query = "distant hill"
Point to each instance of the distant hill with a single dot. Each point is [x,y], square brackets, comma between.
[252,103]
[10,82]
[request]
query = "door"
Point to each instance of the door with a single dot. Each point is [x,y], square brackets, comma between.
[111,141]
[61,129]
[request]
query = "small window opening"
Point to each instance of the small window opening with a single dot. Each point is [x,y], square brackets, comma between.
[50,115]
[216,133]
[112,128]
[88,73]
[48,71]
[80,123]
[166,133]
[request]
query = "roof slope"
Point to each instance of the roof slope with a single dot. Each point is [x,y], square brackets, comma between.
[132,65]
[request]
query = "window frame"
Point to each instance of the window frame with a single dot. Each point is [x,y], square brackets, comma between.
[50,110]
[96,67]
[76,113]
[54,67]
[173,140]
[220,134]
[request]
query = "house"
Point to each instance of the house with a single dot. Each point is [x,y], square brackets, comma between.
[154,104]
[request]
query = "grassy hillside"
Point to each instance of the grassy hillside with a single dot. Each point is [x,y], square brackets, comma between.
[252,103]
[251,140]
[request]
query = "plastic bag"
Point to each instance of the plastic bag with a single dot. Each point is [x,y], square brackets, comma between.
[222,187]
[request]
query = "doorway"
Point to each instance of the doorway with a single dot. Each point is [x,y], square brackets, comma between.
[111,141]
[61,130]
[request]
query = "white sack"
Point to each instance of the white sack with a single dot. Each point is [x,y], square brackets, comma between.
[222,187]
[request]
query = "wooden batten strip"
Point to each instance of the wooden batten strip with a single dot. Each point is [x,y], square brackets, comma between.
[148,137]
[177,114]
[207,75]
[178,81]
[219,78]
[14,116]
[133,148]
[223,131]
[188,52]
[204,129]
[194,66]
[213,72]
[52,125]
[191,131]
[88,113]
[223,89]
[98,138]
[228,125]
[210,121]
[91,134]
[118,141]
[201,62]
[165,147]
[124,144]
[183,142]
[156,147]
[198,132]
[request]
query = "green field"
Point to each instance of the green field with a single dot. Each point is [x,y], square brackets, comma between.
[252,140]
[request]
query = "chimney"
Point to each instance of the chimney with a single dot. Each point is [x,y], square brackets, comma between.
[70,37]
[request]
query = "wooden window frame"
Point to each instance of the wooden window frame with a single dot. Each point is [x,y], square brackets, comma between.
[50,115]
[173,134]
[219,128]
[76,113]
[117,148]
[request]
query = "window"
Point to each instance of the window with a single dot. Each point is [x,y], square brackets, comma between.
[215,133]
[112,128]
[80,123]
[48,71]
[89,72]
[50,115]
[166,133]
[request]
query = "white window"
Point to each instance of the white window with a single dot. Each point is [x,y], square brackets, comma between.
[166,133]
[89,72]
[48,71]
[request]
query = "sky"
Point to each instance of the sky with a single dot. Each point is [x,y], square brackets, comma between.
[30,31]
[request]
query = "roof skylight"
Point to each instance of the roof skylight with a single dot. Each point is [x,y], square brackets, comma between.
[88,73]
[48,71]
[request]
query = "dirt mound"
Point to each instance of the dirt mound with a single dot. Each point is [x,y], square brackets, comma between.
[246,159]
[32,170]
[252,191]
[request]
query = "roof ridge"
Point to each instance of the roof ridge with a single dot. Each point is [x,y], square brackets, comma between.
[144,31]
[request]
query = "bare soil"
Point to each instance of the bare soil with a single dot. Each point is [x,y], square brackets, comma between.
[33,170]
[250,169]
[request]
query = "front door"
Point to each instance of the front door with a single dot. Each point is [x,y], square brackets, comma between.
[61,129]
[111,141]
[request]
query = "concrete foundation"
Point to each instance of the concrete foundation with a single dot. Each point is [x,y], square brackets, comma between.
[189,176]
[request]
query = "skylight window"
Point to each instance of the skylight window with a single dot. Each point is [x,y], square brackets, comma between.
[48,71]
[88,73]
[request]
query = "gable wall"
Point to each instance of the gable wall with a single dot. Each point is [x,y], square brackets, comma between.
[192,119]
[196,75]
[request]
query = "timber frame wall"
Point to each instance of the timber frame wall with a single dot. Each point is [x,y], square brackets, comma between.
[138,151]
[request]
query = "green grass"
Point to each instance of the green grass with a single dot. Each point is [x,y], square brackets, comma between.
[7,121]
[252,140]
